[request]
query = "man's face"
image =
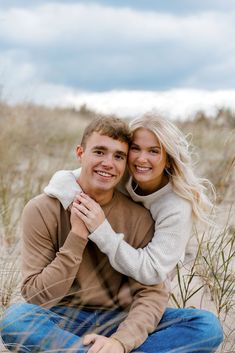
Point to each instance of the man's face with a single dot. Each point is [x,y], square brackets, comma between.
[103,162]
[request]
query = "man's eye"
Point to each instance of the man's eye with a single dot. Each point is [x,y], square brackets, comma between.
[99,153]
[119,157]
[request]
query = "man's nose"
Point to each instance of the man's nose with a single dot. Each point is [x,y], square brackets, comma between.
[107,161]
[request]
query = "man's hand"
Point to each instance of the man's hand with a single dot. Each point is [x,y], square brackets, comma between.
[89,211]
[77,224]
[102,344]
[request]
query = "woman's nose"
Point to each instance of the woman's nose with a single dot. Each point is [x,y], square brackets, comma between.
[142,157]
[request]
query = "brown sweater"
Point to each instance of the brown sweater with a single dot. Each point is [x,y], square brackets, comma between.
[61,268]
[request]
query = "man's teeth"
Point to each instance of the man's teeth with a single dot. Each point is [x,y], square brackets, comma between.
[104,174]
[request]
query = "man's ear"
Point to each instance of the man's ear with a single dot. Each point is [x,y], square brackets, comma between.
[79,152]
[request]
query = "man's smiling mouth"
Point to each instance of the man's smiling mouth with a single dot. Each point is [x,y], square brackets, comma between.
[104,174]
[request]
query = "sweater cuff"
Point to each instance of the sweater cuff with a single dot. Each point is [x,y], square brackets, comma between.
[120,343]
[127,343]
[63,186]
[75,244]
[99,236]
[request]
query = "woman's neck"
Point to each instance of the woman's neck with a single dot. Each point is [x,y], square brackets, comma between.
[143,189]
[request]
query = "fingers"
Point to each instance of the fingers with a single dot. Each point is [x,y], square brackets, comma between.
[89,339]
[87,201]
[102,344]
[86,205]
[80,207]
[89,211]
[96,347]
[97,341]
[82,203]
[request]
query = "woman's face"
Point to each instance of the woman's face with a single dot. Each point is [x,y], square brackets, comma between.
[147,161]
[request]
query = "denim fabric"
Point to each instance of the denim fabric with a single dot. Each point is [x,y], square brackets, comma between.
[31,328]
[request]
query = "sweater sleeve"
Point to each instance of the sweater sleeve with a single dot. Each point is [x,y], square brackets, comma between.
[63,186]
[148,304]
[47,274]
[154,262]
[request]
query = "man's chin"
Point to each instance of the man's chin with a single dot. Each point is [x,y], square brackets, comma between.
[105,185]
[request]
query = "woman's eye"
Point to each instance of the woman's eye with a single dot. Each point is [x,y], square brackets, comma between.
[134,148]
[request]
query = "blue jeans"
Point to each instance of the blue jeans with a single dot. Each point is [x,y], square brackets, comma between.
[31,328]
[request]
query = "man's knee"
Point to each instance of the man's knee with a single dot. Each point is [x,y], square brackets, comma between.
[210,326]
[13,319]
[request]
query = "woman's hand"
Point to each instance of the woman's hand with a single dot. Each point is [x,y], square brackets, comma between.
[89,211]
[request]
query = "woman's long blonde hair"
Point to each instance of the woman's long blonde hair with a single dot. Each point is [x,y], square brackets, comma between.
[179,164]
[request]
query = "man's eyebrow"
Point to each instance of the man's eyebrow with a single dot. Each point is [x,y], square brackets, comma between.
[103,148]
[124,154]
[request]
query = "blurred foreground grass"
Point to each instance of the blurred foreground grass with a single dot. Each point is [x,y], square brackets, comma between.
[37,141]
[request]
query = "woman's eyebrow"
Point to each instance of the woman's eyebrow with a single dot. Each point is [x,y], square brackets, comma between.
[158,147]
[149,147]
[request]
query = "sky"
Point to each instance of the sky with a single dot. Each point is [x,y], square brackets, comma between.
[123,57]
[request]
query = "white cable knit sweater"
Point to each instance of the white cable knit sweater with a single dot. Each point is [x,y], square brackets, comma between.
[173,224]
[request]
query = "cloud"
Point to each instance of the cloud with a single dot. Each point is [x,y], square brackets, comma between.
[181,6]
[16,68]
[175,104]
[179,104]
[95,47]
[54,52]
[88,25]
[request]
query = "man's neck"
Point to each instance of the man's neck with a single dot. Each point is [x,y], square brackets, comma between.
[100,196]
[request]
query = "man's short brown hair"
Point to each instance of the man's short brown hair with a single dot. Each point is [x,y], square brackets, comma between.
[112,127]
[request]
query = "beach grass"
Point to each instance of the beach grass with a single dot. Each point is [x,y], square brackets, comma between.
[37,141]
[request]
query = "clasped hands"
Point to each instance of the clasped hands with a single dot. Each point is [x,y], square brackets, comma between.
[102,344]
[85,209]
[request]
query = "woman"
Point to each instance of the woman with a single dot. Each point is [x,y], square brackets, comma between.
[163,180]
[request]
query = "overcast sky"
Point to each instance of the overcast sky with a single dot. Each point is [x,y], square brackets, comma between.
[120,56]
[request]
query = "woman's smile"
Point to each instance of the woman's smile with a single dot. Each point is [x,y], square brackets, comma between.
[147,160]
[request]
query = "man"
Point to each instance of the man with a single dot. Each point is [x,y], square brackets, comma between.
[67,274]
